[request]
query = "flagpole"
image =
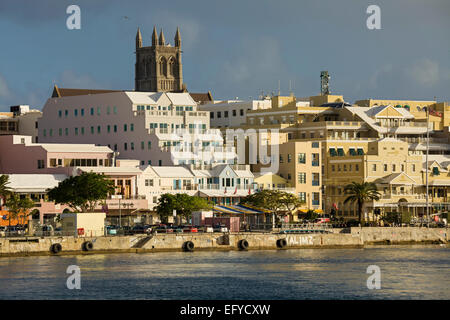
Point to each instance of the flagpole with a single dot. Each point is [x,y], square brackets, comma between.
[426,162]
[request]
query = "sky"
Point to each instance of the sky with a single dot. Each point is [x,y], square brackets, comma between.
[234,48]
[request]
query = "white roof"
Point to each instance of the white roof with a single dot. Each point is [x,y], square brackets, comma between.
[34,182]
[146,98]
[172,172]
[73,147]
[244,173]
[181,99]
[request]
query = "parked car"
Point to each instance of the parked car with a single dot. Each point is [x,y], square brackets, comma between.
[190,229]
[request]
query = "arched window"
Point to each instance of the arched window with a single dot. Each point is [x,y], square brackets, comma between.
[163,66]
[171,66]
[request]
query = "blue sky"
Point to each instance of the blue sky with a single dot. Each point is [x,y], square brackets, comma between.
[233,48]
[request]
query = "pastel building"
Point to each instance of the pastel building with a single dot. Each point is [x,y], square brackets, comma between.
[20,121]
[21,155]
[156,128]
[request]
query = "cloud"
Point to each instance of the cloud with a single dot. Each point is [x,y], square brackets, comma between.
[4,89]
[70,79]
[254,59]
[424,72]
[380,73]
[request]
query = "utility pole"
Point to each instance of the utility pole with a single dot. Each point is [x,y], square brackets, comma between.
[426,164]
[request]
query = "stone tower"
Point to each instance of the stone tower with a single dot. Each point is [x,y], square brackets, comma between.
[158,68]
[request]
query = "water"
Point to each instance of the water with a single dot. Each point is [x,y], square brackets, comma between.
[407,272]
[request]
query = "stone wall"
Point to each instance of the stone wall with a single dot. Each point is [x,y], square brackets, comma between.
[356,237]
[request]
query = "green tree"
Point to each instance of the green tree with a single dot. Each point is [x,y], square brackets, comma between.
[165,207]
[359,193]
[82,193]
[18,208]
[273,200]
[183,203]
[5,191]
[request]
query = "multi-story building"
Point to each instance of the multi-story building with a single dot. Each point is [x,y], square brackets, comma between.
[159,129]
[20,121]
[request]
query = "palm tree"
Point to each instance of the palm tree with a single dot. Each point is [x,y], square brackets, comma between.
[361,192]
[4,189]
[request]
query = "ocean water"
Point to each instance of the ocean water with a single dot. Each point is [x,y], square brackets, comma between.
[407,272]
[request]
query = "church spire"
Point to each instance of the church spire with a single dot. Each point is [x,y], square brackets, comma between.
[138,39]
[177,38]
[162,41]
[154,37]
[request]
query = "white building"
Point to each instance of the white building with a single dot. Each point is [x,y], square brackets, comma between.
[157,128]
[232,113]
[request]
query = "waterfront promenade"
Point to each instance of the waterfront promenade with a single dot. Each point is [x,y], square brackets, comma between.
[340,238]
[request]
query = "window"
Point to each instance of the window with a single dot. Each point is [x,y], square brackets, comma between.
[302,158]
[142,145]
[60,131]
[281,158]
[234,113]
[360,152]
[40,164]
[66,113]
[149,145]
[302,177]
[98,111]
[115,110]
[314,144]
[59,113]
[92,111]
[345,167]
[302,196]
[115,128]
[211,115]
[125,146]
[149,162]
[333,152]
[132,127]
[76,131]
[160,163]
[374,167]
[356,167]
[385,167]
[393,168]
[82,112]
[45,132]
[75,112]
[115,147]
[92,130]
[289,176]
[403,167]
[108,128]
[289,158]
[125,127]
[315,198]
[51,132]
[108,110]
[241,112]
[149,182]
[132,145]
[315,160]
[352,151]
[219,114]
[98,129]
[413,167]
[340,152]
[333,168]
[67,131]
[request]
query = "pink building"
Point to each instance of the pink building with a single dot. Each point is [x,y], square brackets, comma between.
[20,155]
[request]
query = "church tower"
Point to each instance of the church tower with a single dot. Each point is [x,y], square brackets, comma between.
[158,68]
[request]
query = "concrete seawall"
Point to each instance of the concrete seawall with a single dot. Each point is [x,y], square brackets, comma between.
[354,237]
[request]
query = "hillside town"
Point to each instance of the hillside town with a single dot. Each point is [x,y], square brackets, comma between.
[161,139]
